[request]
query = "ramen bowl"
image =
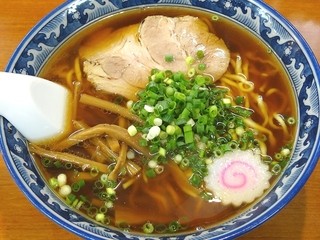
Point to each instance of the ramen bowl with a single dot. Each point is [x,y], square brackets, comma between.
[253,16]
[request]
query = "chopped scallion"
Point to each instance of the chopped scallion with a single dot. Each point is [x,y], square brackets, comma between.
[148,228]
[168,58]
[200,54]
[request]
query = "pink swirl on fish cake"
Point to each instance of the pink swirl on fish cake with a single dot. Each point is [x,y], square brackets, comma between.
[238,174]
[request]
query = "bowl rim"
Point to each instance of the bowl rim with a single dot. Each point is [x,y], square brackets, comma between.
[314,159]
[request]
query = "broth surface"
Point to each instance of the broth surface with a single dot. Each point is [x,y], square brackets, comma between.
[135,205]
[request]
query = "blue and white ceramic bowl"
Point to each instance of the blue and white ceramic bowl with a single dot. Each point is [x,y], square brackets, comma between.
[258,18]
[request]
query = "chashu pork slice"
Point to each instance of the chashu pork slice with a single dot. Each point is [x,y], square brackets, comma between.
[120,62]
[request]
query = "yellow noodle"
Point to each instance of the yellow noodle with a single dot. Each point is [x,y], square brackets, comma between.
[263,147]
[111,107]
[238,68]
[245,68]
[272,124]
[282,123]
[85,164]
[229,82]
[261,129]
[198,205]
[77,69]
[173,194]
[252,57]
[176,200]
[181,180]
[246,85]
[263,109]
[133,192]
[160,199]
[69,79]
[282,101]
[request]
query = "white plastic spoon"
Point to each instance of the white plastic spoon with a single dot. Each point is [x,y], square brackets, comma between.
[38,108]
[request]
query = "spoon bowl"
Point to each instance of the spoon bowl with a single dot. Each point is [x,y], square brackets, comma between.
[38,108]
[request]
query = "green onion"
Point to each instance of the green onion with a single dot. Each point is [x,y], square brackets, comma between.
[170,129]
[70,198]
[104,178]
[202,66]
[189,60]
[169,91]
[94,171]
[53,182]
[188,134]
[244,112]
[200,54]
[132,130]
[162,152]
[143,142]
[109,204]
[177,158]
[148,228]
[124,226]
[215,18]
[150,173]
[98,184]
[239,100]
[58,164]
[62,179]
[110,184]
[76,186]
[163,135]
[92,211]
[291,121]
[206,195]
[174,226]
[100,217]
[179,96]
[159,169]
[103,196]
[75,203]
[239,130]
[68,165]
[275,168]
[196,180]
[168,58]
[157,121]
[200,80]
[285,152]
[213,111]
[152,164]
[160,228]
[191,72]
[103,209]
[185,163]
[46,162]
[194,119]
[110,191]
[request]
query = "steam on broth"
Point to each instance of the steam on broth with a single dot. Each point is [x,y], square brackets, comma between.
[107,177]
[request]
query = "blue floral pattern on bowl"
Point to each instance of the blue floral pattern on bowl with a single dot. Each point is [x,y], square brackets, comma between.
[256,16]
